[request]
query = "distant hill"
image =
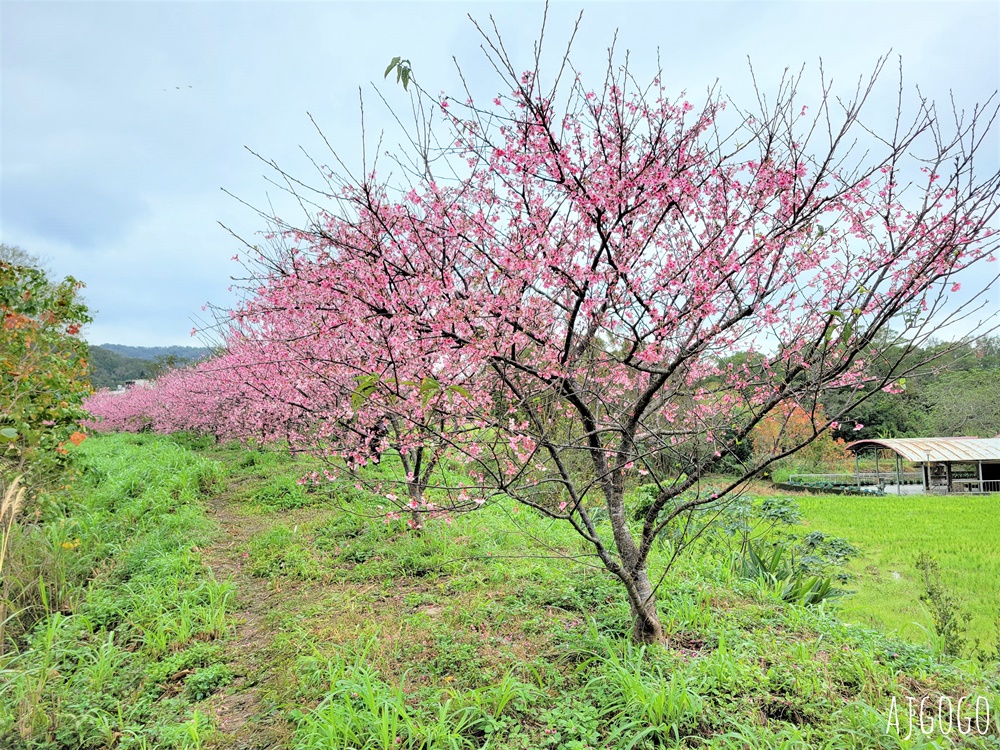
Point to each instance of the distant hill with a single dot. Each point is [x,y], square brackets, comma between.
[113,365]
[150,353]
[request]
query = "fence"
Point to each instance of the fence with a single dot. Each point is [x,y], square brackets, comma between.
[862,479]
[883,478]
[984,486]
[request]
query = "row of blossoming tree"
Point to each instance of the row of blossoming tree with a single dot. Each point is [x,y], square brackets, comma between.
[571,291]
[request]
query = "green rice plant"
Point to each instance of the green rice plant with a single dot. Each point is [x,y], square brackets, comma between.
[890,532]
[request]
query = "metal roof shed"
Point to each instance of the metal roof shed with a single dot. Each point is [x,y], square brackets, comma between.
[948,464]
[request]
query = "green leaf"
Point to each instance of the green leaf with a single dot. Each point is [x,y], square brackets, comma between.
[366,387]
[428,388]
[393,64]
[8,434]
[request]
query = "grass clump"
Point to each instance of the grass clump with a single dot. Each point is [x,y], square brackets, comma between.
[281,551]
[282,492]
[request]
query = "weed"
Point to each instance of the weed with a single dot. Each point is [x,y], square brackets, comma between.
[951,621]
[10,507]
[207,680]
[121,557]
[781,577]
[280,551]
[281,493]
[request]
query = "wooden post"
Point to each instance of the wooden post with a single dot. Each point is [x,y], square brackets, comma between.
[857,469]
[878,481]
[899,476]
[947,477]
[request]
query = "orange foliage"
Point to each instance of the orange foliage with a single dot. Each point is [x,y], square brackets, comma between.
[790,425]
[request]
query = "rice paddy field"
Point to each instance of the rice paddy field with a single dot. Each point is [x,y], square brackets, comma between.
[961,532]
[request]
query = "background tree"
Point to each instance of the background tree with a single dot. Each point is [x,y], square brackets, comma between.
[18,256]
[43,367]
[930,401]
[964,403]
[788,426]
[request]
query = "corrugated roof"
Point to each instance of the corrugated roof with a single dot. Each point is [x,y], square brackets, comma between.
[938,449]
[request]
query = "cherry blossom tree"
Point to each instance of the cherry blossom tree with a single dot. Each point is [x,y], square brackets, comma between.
[576,290]
[348,388]
[601,253]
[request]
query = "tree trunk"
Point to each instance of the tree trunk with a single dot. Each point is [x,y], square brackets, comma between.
[646,627]
[415,490]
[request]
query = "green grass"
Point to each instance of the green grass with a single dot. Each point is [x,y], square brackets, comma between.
[491,632]
[132,643]
[474,634]
[891,531]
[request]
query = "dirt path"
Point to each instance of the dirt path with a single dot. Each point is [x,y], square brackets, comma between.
[242,712]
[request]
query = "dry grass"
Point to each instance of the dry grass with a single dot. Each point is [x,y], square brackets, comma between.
[10,508]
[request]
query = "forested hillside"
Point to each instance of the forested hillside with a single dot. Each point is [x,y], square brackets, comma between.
[109,369]
[957,393]
[149,353]
[113,365]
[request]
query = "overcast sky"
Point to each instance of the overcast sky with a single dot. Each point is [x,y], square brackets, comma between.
[122,122]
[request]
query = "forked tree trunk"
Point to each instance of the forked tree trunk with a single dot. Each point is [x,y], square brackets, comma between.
[416,494]
[646,627]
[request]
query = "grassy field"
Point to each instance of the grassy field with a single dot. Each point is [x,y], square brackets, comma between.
[125,620]
[328,631]
[891,531]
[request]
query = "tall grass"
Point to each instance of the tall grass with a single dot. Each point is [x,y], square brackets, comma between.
[10,507]
[360,710]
